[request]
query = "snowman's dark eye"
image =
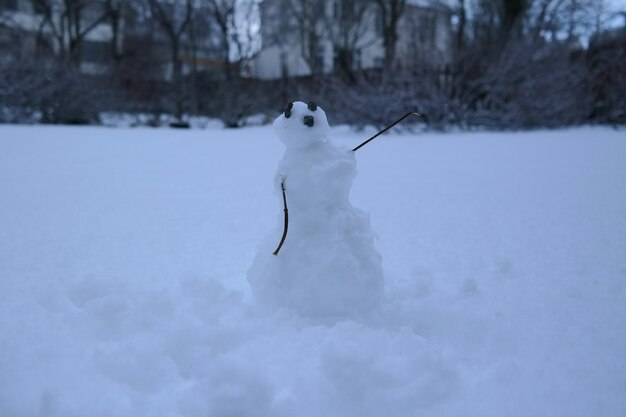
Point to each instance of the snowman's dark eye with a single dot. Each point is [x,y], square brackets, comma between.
[312,106]
[288,110]
[309,121]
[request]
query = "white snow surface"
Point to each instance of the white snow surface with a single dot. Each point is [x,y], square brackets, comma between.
[328,267]
[123,292]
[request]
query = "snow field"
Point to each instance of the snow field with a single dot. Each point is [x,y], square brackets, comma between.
[123,259]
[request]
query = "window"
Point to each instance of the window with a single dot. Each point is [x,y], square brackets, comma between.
[425,29]
[319,59]
[356,59]
[8,4]
[378,22]
[95,52]
[6,40]
[284,67]
[342,59]
[41,7]
[337,9]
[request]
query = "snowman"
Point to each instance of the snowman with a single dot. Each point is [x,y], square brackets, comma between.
[328,265]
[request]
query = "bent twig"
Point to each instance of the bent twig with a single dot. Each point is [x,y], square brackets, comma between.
[282,239]
[387,128]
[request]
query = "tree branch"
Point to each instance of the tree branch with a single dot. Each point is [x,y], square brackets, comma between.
[387,128]
[282,239]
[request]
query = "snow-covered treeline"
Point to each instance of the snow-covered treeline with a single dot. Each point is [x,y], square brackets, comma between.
[483,63]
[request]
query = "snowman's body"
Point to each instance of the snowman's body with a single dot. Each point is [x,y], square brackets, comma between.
[328,265]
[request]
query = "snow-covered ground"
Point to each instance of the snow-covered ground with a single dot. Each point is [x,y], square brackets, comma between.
[123,258]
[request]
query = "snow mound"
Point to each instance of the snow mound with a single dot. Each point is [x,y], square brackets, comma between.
[198,349]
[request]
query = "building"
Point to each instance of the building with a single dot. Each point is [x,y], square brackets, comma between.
[39,27]
[346,33]
[100,32]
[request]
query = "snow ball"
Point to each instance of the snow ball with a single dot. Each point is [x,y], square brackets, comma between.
[301,126]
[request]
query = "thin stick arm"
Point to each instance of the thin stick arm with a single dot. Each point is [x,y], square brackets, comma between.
[411,113]
[286,226]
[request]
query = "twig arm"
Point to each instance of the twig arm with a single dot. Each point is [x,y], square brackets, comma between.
[411,113]
[282,239]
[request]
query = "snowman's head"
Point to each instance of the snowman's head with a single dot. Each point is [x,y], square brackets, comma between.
[301,125]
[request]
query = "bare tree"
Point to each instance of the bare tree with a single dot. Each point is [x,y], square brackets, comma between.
[69,22]
[115,9]
[223,13]
[174,18]
[308,25]
[571,19]
[235,98]
[498,21]
[462,16]
[46,76]
[350,28]
[391,12]
[233,18]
